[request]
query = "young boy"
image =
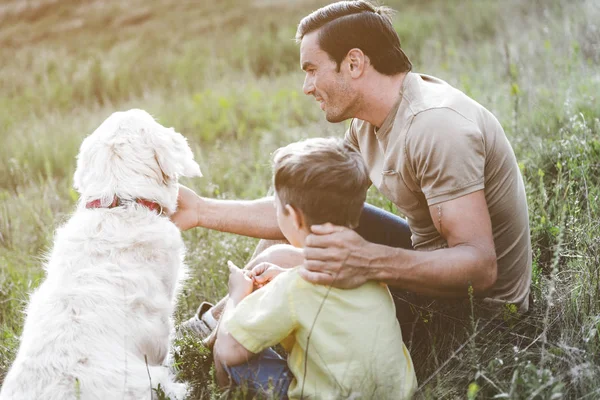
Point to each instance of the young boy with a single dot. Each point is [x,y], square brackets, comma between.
[340,343]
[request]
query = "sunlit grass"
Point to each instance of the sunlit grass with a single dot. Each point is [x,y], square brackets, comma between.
[226,75]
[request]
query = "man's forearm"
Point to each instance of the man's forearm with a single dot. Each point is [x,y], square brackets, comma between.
[445,272]
[255,218]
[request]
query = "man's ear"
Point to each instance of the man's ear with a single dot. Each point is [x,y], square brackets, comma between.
[357,62]
[174,156]
[297,217]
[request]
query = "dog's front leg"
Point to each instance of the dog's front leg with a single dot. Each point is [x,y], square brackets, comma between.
[164,382]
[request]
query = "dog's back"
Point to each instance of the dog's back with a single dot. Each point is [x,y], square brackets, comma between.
[105,304]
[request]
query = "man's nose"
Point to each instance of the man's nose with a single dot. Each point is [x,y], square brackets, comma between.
[308,86]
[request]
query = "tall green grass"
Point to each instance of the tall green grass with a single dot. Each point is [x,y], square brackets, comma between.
[226,75]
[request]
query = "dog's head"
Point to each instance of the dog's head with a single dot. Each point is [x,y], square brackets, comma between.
[132,156]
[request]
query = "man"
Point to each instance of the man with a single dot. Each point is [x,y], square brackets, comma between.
[439,156]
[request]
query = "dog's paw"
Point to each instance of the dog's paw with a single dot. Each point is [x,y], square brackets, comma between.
[176,391]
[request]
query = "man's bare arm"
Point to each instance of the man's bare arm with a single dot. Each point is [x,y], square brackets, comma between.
[255,218]
[339,256]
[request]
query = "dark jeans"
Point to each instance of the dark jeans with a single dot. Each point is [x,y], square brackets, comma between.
[266,376]
[382,227]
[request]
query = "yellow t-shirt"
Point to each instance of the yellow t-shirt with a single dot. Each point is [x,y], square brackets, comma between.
[355,346]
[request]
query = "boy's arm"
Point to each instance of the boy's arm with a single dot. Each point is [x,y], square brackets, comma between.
[227,350]
[264,318]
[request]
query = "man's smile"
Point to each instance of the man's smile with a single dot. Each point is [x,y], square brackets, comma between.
[321,102]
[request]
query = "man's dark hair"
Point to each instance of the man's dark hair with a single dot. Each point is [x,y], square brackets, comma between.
[346,25]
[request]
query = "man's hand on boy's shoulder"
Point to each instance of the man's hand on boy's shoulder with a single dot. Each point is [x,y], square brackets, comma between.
[336,255]
[240,283]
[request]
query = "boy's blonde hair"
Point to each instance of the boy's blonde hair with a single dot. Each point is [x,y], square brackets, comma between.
[324,178]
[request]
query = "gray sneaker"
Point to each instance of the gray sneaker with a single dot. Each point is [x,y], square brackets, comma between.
[202,323]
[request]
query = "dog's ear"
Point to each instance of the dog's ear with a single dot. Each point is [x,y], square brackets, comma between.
[92,161]
[174,156]
[83,169]
[78,175]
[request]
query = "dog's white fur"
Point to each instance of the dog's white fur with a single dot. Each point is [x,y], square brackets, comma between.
[109,293]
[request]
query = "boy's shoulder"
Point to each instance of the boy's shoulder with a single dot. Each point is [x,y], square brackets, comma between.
[286,280]
[293,285]
[370,289]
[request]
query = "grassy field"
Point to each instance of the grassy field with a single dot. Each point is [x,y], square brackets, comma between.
[226,75]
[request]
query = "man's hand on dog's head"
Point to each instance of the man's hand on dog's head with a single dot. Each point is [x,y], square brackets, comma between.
[188,207]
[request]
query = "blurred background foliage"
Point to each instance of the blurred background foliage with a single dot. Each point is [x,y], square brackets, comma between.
[226,74]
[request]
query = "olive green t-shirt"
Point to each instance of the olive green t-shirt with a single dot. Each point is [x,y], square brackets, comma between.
[436,145]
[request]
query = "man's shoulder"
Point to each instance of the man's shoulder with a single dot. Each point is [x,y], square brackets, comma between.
[430,99]
[430,95]
[441,119]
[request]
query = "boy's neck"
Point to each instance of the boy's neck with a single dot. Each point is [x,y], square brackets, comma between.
[300,239]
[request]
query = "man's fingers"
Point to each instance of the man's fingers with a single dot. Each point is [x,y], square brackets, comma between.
[185,196]
[318,254]
[326,229]
[183,187]
[315,277]
[323,241]
[181,192]
[316,266]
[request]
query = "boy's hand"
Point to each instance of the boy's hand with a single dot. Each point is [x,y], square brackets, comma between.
[240,284]
[264,273]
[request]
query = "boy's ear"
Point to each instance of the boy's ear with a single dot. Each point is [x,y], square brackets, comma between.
[297,217]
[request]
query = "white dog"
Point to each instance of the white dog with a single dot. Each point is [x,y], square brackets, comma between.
[98,326]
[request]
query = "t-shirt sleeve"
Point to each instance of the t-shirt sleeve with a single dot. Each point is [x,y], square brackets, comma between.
[446,154]
[266,316]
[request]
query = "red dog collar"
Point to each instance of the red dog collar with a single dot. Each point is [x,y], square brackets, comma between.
[154,206]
